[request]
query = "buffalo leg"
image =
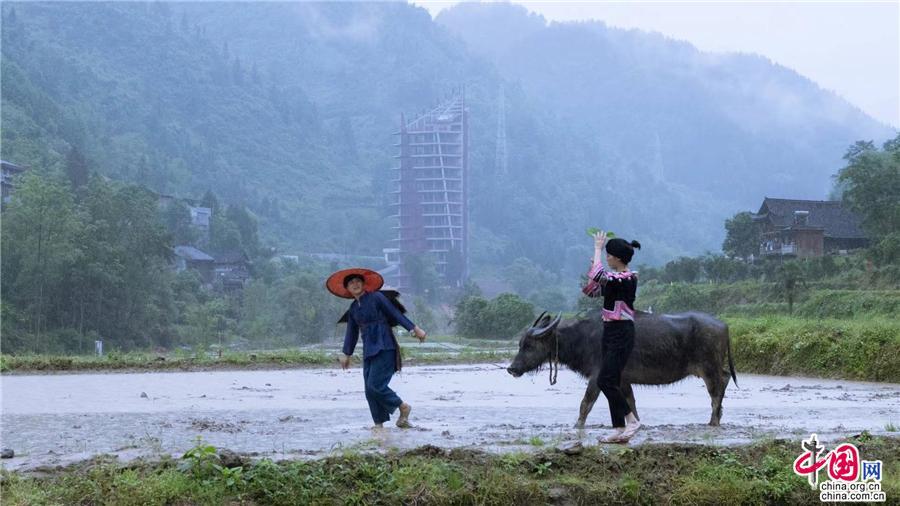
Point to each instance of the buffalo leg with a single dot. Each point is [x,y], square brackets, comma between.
[590,396]
[715,385]
[629,396]
[725,379]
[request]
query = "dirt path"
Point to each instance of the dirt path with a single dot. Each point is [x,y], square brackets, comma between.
[59,419]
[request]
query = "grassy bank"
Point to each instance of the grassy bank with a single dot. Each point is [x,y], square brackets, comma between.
[855,349]
[141,361]
[144,361]
[648,474]
[753,298]
[862,349]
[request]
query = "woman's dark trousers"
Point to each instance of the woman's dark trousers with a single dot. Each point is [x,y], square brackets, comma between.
[618,341]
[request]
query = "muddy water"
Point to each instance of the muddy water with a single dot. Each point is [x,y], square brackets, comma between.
[58,419]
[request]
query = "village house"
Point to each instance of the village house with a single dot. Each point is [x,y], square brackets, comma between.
[189,257]
[232,268]
[807,228]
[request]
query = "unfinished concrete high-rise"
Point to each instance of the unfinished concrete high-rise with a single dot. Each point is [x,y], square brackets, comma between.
[429,196]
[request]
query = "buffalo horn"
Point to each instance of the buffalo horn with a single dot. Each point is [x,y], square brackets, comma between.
[533,325]
[550,326]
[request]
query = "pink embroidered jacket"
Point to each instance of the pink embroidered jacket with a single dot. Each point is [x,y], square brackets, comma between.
[618,290]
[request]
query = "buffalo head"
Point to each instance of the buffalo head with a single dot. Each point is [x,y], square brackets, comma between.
[535,346]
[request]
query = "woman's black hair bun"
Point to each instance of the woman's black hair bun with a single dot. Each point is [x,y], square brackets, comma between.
[635,245]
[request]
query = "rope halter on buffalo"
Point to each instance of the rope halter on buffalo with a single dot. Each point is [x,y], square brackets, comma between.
[553,355]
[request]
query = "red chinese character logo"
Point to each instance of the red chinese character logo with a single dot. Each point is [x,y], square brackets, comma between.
[808,463]
[805,464]
[844,464]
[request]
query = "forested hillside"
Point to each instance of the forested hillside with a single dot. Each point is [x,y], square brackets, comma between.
[289,109]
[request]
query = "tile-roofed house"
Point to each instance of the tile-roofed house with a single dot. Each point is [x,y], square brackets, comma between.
[189,257]
[807,227]
[233,269]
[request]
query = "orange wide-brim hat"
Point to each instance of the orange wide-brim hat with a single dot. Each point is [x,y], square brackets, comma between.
[372,281]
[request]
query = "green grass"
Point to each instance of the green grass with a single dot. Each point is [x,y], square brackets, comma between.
[862,349]
[484,344]
[855,349]
[648,474]
[144,361]
[754,298]
[154,361]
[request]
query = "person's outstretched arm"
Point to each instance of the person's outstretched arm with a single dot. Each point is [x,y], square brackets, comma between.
[385,305]
[599,242]
[596,274]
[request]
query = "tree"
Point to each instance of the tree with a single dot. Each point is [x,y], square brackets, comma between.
[423,275]
[509,314]
[549,299]
[210,201]
[499,318]
[721,269]
[471,316]
[246,226]
[125,271]
[177,218]
[887,250]
[40,230]
[224,235]
[206,322]
[471,288]
[422,315]
[684,269]
[742,236]
[76,168]
[307,310]
[790,275]
[525,276]
[871,183]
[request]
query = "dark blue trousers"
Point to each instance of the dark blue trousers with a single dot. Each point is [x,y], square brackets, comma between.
[377,373]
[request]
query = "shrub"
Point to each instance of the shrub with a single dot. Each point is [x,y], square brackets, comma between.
[499,318]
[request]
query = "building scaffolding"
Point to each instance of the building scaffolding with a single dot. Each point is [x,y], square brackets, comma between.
[429,195]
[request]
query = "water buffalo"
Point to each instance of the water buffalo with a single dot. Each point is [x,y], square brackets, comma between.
[667,348]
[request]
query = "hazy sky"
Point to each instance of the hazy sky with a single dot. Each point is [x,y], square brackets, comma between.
[849,47]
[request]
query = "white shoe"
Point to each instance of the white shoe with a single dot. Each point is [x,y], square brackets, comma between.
[630,430]
[615,437]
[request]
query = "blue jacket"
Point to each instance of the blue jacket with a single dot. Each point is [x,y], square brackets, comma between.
[370,315]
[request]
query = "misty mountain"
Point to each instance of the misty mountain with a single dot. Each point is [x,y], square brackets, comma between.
[736,125]
[289,108]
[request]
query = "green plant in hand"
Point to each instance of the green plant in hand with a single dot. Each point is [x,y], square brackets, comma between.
[594,231]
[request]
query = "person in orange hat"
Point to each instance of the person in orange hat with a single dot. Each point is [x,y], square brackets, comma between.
[372,314]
